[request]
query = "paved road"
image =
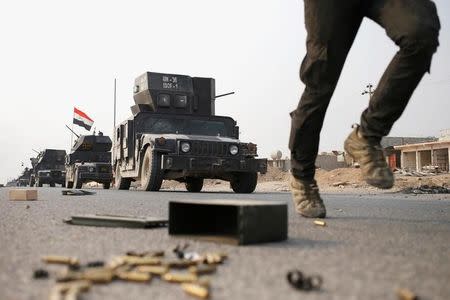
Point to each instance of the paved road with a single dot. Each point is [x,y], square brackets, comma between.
[372,245]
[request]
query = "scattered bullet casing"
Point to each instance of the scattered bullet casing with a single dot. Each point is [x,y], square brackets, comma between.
[202,269]
[155,270]
[320,223]
[196,290]
[135,276]
[141,261]
[98,275]
[70,289]
[214,258]
[180,264]
[180,278]
[405,294]
[146,253]
[63,260]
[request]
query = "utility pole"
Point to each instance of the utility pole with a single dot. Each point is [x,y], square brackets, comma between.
[369,91]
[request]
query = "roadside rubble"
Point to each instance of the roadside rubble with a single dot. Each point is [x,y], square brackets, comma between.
[190,271]
[426,189]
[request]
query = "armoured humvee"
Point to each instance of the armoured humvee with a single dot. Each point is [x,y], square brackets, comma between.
[48,168]
[174,134]
[89,160]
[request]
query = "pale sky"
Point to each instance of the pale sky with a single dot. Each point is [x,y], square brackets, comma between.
[55,55]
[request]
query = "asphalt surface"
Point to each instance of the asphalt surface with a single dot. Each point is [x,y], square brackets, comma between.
[370,246]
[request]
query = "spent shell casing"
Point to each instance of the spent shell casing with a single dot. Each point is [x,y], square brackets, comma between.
[98,275]
[59,290]
[180,277]
[405,294]
[76,289]
[202,269]
[180,264]
[155,270]
[213,258]
[320,223]
[145,253]
[196,290]
[141,261]
[116,262]
[68,275]
[135,276]
[63,260]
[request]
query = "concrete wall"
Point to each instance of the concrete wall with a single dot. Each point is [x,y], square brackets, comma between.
[329,162]
[425,158]
[409,160]
[441,159]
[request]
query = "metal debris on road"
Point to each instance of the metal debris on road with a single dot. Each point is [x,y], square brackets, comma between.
[320,223]
[306,283]
[405,294]
[77,193]
[134,267]
[117,221]
[40,274]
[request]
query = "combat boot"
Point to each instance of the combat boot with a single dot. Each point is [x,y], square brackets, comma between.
[306,198]
[370,156]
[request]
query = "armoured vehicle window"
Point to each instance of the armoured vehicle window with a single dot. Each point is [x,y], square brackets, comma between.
[185,126]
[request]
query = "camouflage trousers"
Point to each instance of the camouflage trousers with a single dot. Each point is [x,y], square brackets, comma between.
[331,27]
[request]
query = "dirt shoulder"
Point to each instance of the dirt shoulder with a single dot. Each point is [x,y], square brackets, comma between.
[345,180]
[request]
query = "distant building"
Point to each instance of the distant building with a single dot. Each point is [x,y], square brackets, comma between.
[429,154]
[393,155]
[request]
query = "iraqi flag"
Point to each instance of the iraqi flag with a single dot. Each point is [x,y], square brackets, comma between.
[82,119]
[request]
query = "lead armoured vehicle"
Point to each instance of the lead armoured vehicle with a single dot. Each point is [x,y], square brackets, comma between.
[174,134]
[48,168]
[89,160]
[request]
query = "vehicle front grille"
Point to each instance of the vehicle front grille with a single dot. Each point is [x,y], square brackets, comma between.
[55,173]
[202,148]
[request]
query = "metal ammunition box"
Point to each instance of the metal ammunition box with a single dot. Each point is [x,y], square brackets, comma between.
[230,221]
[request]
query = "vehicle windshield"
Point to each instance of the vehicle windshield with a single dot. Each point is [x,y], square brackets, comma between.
[186,126]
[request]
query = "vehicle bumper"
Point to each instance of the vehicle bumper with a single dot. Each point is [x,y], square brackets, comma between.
[213,164]
[94,176]
[49,179]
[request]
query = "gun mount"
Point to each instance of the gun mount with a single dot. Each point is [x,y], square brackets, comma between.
[174,94]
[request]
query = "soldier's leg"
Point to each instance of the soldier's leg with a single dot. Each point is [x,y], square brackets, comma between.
[331,28]
[414,26]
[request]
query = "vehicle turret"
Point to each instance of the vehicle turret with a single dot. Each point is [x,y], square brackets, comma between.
[174,94]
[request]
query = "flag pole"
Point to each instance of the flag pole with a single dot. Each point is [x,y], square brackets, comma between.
[115,86]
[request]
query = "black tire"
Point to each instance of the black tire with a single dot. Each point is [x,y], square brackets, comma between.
[106,185]
[63,184]
[77,183]
[52,184]
[151,174]
[244,183]
[38,183]
[121,183]
[194,185]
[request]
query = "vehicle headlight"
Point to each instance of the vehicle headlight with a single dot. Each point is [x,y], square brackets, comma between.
[234,149]
[185,147]
[91,169]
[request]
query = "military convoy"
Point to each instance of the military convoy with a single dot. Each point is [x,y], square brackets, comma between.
[48,168]
[89,160]
[174,134]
